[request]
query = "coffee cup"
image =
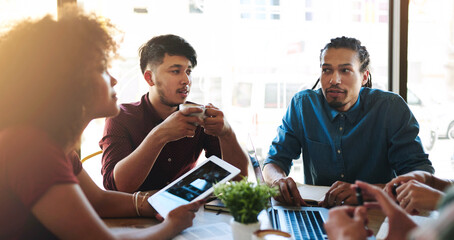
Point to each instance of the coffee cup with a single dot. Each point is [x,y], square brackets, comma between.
[194,105]
[271,234]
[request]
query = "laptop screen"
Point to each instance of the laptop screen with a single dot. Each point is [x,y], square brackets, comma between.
[255,162]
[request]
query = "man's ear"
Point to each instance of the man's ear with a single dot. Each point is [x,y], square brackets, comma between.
[365,78]
[148,75]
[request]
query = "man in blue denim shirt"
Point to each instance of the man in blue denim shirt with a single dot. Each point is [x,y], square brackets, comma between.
[345,131]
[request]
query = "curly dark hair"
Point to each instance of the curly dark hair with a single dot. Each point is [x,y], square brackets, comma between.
[154,50]
[44,71]
[355,45]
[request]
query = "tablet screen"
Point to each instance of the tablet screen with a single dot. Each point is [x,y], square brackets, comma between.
[198,181]
[193,185]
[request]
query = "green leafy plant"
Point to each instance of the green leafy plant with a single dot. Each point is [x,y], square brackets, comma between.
[244,199]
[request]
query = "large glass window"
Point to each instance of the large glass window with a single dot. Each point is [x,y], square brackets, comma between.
[253,55]
[431,78]
[12,10]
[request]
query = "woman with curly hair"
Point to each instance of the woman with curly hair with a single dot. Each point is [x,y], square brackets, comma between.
[53,82]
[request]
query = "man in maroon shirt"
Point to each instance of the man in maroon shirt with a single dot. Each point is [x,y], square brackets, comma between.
[151,142]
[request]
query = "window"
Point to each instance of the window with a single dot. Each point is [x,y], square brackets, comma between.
[19,9]
[253,56]
[260,9]
[431,78]
[242,94]
[196,6]
[279,95]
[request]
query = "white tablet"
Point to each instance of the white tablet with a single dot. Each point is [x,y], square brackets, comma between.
[193,185]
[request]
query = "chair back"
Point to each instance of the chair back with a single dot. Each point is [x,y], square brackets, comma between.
[90,156]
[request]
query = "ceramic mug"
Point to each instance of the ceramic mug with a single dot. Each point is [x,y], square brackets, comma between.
[271,234]
[193,105]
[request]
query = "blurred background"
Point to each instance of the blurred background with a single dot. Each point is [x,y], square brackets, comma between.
[254,55]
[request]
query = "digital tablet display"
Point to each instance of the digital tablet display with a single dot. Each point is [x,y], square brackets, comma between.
[198,181]
[194,185]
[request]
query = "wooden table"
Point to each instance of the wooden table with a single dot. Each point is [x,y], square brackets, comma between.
[376,218]
[206,217]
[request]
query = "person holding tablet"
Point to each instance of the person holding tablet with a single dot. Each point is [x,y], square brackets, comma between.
[54,81]
[152,142]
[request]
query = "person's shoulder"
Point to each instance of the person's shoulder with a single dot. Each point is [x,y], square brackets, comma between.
[131,110]
[24,139]
[133,107]
[373,95]
[21,133]
[307,94]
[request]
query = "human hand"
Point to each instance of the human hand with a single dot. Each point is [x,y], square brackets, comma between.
[181,217]
[420,176]
[347,222]
[179,124]
[399,222]
[146,210]
[441,228]
[215,124]
[288,192]
[339,194]
[414,196]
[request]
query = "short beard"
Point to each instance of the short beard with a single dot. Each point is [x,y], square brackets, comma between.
[335,104]
[165,102]
[162,98]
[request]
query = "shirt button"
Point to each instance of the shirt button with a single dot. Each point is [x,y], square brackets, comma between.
[338,151]
[342,175]
[169,160]
[340,129]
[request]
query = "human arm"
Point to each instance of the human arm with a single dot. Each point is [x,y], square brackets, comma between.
[286,147]
[440,229]
[347,223]
[405,151]
[443,227]
[114,203]
[288,189]
[216,124]
[131,171]
[422,177]
[65,211]
[414,196]
[341,193]
[400,223]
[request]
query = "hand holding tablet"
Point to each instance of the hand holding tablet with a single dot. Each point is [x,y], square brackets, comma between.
[194,185]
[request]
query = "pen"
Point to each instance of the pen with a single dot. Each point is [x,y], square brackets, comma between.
[359,196]
[394,191]
[394,188]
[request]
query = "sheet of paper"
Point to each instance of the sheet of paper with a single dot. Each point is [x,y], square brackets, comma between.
[312,192]
[207,232]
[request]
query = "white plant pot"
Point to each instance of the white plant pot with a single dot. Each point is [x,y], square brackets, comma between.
[241,231]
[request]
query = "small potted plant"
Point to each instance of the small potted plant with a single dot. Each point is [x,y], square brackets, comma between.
[245,200]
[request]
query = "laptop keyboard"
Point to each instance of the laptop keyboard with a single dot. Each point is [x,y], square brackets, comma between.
[305,224]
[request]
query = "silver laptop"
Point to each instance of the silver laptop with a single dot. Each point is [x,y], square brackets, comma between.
[301,222]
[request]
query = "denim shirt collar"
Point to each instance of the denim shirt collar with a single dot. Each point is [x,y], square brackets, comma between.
[351,115]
